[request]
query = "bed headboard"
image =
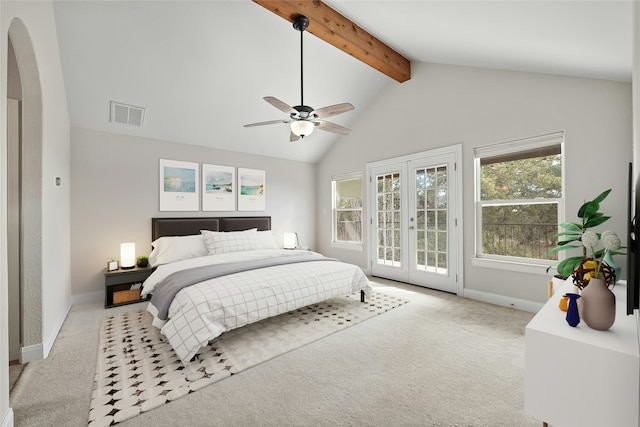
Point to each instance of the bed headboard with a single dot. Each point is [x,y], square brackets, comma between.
[186,226]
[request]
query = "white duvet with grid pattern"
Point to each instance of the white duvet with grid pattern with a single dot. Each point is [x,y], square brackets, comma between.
[203,311]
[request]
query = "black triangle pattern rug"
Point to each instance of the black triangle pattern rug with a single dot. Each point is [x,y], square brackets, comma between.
[137,370]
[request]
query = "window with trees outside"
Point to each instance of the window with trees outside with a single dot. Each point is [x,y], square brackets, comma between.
[519,196]
[347,208]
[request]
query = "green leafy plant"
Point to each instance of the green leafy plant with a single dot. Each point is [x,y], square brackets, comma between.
[590,217]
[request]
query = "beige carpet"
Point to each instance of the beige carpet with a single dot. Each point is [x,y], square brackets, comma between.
[15,370]
[440,360]
[138,371]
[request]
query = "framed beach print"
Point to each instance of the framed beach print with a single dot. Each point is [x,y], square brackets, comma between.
[218,188]
[252,190]
[178,186]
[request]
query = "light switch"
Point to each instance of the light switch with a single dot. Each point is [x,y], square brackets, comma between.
[58,181]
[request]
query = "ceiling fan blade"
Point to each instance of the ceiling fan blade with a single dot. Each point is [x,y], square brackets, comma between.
[332,127]
[286,108]
[333,110]
[293,137]
[270,122]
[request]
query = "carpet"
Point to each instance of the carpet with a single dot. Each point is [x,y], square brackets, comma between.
[137,370]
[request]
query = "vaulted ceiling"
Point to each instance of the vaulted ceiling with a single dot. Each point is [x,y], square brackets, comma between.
[201,68]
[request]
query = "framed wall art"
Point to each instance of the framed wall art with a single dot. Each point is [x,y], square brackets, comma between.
[218,188]
[178,186]
[252,190]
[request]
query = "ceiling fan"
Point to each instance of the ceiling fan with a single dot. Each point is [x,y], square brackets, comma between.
[302,118]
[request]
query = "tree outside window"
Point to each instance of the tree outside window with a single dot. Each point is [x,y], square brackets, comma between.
[347,208]
[519,198]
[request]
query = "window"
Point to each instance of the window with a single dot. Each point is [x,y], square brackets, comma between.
[347,208]
[519,192]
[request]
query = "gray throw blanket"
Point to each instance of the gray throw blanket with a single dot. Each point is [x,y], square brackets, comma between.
[167,289]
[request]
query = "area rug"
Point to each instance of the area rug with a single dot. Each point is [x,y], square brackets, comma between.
[137,370]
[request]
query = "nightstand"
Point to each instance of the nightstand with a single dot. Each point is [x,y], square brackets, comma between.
[123,286]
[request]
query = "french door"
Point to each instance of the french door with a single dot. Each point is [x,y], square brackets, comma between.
[415,237]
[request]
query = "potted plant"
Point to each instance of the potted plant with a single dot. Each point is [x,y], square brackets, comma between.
[142,261]
[589,217]
[598,302]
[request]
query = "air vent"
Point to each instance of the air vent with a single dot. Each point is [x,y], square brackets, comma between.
[126,114]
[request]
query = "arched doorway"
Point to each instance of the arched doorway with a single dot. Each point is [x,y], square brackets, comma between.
[28,249]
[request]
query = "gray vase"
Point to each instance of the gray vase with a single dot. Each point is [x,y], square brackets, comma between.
[598,305]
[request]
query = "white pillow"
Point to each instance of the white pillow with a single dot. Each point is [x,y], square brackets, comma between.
[177,248]
[266,240]
[230,241]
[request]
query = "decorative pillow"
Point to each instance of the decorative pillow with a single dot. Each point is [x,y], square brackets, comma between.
[230,241]
[266,240]
[177,248]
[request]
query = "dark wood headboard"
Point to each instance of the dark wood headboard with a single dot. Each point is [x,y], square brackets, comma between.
[186,226]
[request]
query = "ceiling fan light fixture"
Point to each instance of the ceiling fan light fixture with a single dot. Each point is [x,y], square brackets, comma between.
[302,128]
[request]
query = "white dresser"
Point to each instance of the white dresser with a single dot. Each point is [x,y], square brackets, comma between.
[580,376]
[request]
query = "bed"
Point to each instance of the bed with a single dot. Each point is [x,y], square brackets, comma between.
[212,275]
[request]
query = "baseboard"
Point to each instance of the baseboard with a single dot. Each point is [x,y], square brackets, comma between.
[519,304]
[7,421]
[87,298]
[34,352]
[31,353]
[48,343]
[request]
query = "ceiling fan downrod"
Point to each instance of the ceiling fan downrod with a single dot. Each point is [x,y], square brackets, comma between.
[301,23]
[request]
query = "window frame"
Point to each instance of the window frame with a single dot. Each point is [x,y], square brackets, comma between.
[346,176]
[513,263]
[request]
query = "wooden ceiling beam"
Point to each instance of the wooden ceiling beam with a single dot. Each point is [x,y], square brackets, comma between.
[329,25]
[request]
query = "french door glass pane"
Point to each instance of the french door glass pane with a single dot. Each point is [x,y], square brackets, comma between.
[388,215]
[431,219]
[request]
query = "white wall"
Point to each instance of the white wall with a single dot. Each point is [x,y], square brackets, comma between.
[444,105]
[115,193]
[38,19]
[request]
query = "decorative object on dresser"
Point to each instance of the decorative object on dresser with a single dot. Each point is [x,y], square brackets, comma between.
[590,217]
[124,286]
[598,305]
[598,302]
[572,317]
[142,261]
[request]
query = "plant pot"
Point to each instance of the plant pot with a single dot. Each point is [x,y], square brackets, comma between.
[143,264]
[598,305]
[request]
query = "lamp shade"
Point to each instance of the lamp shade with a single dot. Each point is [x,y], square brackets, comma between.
[127,255]
[302,128]
[290,240]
